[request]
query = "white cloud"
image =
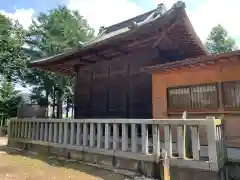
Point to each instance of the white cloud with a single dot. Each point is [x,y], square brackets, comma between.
[105,12]
[24,16]
[209,13]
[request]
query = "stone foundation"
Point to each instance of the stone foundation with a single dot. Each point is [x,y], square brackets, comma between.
[105,161]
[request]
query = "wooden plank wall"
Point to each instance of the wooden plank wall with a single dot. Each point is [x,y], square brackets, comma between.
[116,88]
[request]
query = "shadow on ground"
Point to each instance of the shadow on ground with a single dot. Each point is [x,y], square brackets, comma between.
[93,171]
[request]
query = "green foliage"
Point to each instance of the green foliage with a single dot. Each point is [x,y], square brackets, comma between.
[12,57]
[9,99]
[52,33]
[218,41]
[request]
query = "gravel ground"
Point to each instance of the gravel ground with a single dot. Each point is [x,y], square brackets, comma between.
[22,167]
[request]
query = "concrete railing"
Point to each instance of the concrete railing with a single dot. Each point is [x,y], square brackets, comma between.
[120,138]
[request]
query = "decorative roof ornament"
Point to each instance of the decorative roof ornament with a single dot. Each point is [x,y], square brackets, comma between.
[161,9]
[101,29]
[133,25]
[179,4]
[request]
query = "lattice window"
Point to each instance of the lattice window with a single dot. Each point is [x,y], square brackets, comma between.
[198,96]
[231,94]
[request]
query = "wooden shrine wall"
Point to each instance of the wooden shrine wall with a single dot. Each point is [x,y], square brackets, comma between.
[115,88]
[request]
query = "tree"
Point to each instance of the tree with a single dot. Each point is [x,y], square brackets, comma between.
[52,33]
[12,57]
[218,41]
[9,99]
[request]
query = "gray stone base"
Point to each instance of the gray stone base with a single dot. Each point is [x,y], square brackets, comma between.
[110,162]
[106,161]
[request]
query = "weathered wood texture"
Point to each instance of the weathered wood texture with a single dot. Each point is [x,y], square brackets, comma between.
[116,88]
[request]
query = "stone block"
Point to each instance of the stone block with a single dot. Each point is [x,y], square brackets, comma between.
[147,168]
[90,157]
[127,164]
[105,160]
[76,155]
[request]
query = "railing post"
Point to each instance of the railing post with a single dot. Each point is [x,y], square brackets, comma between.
[10,127]
[45,131]
[124,137]
[41,131]
[92,135]
[37,131]
[79,133]
[72,138]
[13,130]
[144,139]
[115,136]
[106,144]
[22,130]
[65,136]
[60,132]
[55,132]
[50,136]
[168,140]
[212,139]
[19,128]
[85,137]
[181,141]
[99,135]
[26,130]
[195,142]
[33,130]
[29,129]
[133,138]
[156,139]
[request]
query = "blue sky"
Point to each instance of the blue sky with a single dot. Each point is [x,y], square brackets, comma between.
[203,14]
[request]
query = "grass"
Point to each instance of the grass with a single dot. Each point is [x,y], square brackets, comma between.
[15,166]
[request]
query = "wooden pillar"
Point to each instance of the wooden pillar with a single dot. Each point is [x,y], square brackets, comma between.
[156,139]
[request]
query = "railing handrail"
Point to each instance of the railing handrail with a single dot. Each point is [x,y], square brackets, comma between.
[190,122]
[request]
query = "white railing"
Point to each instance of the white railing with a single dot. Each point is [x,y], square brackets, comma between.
[121,138]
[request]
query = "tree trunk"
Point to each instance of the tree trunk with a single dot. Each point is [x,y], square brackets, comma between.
[47,102]
[54,103]
[59,104]
[67,108]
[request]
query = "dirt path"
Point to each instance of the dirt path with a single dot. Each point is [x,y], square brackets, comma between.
[21,167]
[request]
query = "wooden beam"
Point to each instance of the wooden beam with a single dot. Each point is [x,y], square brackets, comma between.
[102,56]
[163,34]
